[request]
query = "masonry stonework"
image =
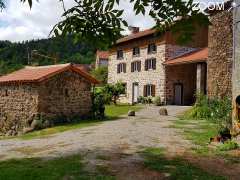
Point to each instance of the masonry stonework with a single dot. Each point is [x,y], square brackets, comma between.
[220,55]
[64,95]
[184,75]
[18,106]
[156,77]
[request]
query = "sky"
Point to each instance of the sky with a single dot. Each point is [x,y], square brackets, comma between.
[19,23]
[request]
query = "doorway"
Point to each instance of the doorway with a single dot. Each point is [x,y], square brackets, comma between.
[178,94]
[135,92]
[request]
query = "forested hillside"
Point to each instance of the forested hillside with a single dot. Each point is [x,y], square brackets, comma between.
[15,55]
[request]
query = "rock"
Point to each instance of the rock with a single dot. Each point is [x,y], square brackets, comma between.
[27,130]
[131,113]
[36,124]
[163,112]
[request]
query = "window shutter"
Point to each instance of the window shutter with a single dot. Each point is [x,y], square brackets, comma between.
[154,63]
[145,91]
[146,65]
[132,67]
[139,66]
[124,67]
[118,68]
[153,90]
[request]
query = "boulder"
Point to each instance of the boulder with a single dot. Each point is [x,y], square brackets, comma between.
[163,112]
[131,113]
[27,130]
[36,124]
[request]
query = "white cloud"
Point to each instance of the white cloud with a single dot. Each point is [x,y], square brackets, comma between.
[18,22]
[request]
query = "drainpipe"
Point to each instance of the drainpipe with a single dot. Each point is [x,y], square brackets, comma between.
[236,69]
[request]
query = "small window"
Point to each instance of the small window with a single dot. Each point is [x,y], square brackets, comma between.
[6,92]
[136,66]
[150,64]
[136,51]
[66,93]
[121,68]
[152,48]
[149,90]
[120,54]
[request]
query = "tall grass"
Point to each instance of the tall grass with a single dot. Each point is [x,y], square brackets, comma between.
[215,109]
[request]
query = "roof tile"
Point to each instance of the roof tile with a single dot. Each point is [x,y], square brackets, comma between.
[40,73]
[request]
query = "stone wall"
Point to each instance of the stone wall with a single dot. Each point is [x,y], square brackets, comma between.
[220,55]
[61,97]
[156,77]
[18,106]
[65,95]
[185,75]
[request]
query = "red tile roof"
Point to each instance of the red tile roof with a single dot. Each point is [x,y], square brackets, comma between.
[40,73]
[136,35]
[193,57]
[103,54]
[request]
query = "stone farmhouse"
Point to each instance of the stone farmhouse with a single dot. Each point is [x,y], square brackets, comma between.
[154,65]
[47,92]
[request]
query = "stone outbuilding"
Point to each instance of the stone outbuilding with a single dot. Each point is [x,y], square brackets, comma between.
[48,93]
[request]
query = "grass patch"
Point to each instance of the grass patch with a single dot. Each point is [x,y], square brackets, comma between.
[199,131]
[175,168]
[112,112]
[55,169]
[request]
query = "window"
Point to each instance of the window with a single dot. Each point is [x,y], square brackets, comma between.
[66,92]
[150,64]
[136,51]
[6,92]
[152,48]
[120,54]
[149,90]
[136,66]
[121,68]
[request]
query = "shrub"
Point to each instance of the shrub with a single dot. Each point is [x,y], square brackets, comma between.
[113,91]
[149,100]
[216,109]
[141,99]
[157,101]
[228,145]
[98,105]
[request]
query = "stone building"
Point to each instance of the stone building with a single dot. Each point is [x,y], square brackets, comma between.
[102,58]
[47,92]
[148,64]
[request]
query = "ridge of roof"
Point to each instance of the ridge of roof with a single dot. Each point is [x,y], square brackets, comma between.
[31,74]
[136,35]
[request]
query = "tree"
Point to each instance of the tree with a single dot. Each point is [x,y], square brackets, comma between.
[114,90]
[100,21]
[101,73]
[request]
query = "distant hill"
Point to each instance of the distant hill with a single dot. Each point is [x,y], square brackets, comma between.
[15,55]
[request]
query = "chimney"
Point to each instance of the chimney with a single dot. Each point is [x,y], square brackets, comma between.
[133,29]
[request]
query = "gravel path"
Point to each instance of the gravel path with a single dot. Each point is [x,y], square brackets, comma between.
[127,134]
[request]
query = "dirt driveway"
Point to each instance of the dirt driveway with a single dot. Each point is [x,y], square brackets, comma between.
[128,135]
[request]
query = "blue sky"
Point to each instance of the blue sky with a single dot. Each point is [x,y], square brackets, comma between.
[18,22]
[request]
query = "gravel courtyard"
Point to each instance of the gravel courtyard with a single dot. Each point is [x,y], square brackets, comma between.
[127,134]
